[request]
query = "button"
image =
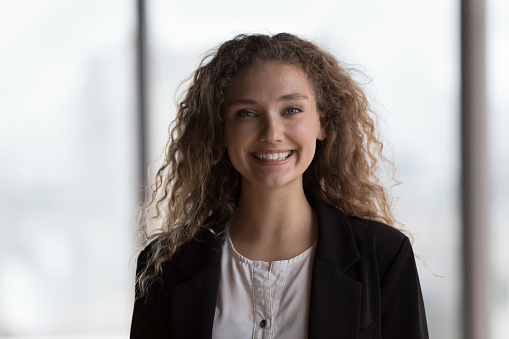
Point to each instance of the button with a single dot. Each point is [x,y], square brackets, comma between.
[263,323]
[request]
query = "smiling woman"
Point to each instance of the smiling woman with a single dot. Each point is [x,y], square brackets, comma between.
[271,219]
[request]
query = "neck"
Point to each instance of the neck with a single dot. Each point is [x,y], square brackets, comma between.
[273,224]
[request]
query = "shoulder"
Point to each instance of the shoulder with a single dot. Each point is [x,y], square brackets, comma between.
[376,235]
[349,242]
[152,265]
[193,256]
[380,243]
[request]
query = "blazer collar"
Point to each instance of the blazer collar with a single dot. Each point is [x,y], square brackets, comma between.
[335,297]
[336,244]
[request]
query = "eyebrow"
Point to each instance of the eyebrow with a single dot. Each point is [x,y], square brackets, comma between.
[293,96]
[286,97]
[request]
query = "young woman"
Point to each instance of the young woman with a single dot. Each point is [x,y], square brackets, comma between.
[271,222]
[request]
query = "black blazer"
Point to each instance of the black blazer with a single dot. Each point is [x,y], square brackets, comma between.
[364,285]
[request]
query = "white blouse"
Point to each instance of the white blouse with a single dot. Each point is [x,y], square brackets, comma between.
[258,299]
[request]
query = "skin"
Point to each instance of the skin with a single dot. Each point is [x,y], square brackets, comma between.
[271,108]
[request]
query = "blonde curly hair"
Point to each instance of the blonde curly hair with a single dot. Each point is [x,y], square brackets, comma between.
[198,188]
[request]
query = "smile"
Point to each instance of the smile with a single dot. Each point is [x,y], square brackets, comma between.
[272,156]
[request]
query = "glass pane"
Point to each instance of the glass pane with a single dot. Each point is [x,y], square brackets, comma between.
[67,187]
[409,49]
[498,123]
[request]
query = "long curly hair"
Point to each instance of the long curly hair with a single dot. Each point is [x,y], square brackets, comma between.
[197,187]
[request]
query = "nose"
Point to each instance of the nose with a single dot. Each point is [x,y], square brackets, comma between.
[272,129]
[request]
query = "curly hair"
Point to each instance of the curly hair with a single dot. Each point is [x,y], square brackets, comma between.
[197,186]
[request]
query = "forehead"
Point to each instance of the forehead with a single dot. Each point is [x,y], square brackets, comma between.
[265,80]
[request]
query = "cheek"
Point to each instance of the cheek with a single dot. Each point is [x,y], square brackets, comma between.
[307,133]
[229,136]
[235,144]
[239,134]
[235,159]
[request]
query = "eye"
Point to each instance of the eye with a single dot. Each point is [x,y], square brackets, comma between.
[245,113]
[293,110]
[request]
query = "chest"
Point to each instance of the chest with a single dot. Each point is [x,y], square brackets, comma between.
[261,300]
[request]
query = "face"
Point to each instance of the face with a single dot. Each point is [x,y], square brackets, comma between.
[271,125]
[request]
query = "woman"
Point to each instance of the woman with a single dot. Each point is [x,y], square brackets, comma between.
[272,223]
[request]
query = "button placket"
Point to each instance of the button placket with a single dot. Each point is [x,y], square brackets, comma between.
[261,298]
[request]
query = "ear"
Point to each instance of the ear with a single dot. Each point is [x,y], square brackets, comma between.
[321,128]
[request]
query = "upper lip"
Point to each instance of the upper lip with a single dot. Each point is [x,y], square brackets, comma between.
[272,151]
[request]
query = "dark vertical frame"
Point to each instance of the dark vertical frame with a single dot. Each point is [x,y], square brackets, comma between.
[474,192]
[141,86]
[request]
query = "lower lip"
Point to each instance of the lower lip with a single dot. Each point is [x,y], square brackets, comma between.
[273,162]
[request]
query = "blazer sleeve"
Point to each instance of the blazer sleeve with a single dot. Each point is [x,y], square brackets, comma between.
[145,320]
[403,314]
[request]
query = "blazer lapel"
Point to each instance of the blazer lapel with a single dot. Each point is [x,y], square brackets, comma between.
[193,301]
[335,297]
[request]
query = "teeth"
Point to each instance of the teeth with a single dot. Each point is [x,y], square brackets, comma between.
[273,156]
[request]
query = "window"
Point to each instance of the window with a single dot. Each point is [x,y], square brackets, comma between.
[68,181]
[498,141]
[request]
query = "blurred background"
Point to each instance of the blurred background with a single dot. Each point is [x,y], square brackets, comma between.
[70,140]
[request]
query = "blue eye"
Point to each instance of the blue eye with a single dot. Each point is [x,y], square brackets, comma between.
[293,110]
[245,113]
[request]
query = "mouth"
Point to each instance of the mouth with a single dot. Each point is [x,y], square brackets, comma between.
[277,156]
